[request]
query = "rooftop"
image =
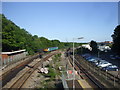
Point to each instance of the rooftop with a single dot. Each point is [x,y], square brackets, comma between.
[14,52]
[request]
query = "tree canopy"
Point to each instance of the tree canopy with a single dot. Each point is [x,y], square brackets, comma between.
[94,46]
[116,40]
[16,38]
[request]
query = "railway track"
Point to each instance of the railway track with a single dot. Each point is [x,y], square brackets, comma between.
[108,80]
[22,79]
[91,80]
[11,73]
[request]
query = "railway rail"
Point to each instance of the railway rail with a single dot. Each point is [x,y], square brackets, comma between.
[107,79]
[87,76]
[6,76]
[22,79]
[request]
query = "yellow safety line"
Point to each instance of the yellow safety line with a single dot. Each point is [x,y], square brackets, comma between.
[81,84]
[85,85]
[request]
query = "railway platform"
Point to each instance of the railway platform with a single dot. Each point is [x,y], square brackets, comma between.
[80,83]
[79,79]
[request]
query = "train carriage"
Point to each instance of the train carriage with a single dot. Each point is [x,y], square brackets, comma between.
[50,49]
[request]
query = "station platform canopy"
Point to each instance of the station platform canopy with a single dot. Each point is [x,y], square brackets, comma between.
[14,52]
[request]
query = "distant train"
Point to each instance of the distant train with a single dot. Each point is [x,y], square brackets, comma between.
[50,49]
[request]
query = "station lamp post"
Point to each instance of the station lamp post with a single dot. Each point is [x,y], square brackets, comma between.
[73,62]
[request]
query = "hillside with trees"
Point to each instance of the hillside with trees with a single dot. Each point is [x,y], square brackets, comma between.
[16,38]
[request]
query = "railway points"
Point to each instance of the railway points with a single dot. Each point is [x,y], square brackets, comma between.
[83,79]
[11,71]
[28,71]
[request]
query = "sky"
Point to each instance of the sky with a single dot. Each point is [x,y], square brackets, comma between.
[65,20]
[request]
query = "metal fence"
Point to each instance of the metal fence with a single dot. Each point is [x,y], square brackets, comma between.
[13,58]
[107,79]
[64,82]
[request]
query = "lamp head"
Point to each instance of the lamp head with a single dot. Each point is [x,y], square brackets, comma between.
[81,38]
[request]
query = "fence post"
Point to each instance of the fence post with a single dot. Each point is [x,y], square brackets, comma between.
[106,74]
[114,80]
[100,72]
[64,82]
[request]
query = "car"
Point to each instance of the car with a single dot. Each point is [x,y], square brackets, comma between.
[90,57]
[117,57]
[110,68]
[112,57]
[95,59]
[86,55]
[99,61]
[95,62]
[83,55]
[104,64]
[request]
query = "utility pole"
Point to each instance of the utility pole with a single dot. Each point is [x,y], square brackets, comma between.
[73,64]
[73,67]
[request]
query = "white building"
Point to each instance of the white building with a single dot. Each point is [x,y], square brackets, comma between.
[104,48]
[87,46]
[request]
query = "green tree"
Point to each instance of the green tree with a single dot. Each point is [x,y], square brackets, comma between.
[16,38]
[82,50]
[116,40]
[94,46]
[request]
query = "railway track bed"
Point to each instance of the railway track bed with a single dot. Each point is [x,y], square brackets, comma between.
[23,75]
[11,71]
[86,76]
[19,75]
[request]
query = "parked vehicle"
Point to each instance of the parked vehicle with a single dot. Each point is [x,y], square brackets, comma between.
[99,62]
[110,68]
[112,57]
[117,57]
[86,55]
[88,58]
[91,59]
[104,64]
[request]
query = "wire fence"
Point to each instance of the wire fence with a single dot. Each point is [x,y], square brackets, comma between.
[107,79]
